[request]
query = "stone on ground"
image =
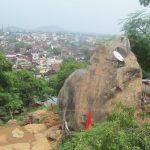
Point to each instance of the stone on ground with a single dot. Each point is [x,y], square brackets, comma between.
[17,133]
[54,133]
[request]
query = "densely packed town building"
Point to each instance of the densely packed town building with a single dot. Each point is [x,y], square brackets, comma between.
[42,53]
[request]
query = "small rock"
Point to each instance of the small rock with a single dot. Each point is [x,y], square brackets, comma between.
[54,133]
[12,122]
[17,133]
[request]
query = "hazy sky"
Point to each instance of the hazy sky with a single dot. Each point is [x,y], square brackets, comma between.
[99,16]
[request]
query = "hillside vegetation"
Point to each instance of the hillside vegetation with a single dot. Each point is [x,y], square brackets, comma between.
[119,132]
[19,88]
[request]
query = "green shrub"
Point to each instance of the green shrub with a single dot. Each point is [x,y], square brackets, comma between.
[123,115]
[119,132]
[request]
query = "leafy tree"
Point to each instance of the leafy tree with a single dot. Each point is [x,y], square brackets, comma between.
[137,27]
[24,84]
[5,68]
[54,83]
[67,67]
[144,2]
[19,88]
[8,98]
[22,45]
[86,54]
[56,51]
[42,89]
[11,39]
[10,101]
[1,50]
[4,65]
[30,88]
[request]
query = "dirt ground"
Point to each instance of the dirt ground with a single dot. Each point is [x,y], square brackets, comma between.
[32,136]
[7,138]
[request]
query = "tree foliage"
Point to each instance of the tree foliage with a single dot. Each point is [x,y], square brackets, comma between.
[8,98]
[137,27]
[11,39]
[5,76]
[86,54]
[67,67]
[144,2]
[56,51]
[19,45]
[1,50]
[19,88]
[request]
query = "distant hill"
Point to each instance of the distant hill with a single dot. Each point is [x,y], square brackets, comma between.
[39,29]
[14,29]
[50,29]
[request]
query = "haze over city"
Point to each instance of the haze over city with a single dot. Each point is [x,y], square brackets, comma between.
[72,71]
[92,16]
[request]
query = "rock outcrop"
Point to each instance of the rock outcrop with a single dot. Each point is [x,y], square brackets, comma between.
[103,83]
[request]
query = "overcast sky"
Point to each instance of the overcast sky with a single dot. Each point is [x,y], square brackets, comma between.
[99,16]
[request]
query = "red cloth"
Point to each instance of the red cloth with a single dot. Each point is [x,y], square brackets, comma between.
[88,124]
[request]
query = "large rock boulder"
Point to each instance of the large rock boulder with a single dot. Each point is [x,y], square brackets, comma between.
[106,81]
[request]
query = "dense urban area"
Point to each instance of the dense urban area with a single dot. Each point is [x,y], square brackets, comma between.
[42,53]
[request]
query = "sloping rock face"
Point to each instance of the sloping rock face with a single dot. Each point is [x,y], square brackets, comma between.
[103,83]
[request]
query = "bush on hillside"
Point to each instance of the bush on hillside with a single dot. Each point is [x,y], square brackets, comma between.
[119,132]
